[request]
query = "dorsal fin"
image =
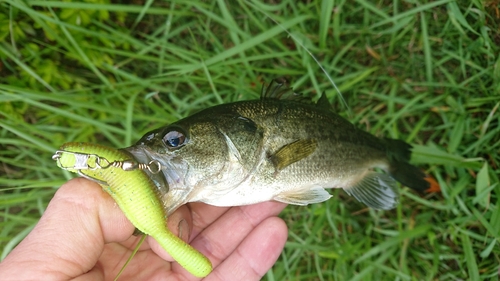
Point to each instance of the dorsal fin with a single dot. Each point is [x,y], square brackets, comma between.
[279,89]
[323,102]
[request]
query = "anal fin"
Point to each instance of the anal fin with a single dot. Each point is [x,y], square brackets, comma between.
[376,190]
[315,194]
[292,153]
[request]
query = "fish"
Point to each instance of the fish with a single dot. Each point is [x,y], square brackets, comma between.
[280,147]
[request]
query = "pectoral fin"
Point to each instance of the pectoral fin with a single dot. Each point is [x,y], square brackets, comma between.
[315,194]
[292,153]
[376,190]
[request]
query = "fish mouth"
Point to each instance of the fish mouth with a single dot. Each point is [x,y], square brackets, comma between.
[155,168]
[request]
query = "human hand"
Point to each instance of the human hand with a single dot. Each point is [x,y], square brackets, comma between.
[83,235]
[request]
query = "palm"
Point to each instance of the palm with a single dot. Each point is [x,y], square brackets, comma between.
[220,230]
[84,236]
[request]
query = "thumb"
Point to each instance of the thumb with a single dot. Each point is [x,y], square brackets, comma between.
[70,236]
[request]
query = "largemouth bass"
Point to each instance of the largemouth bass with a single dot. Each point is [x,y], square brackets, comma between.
[276,148]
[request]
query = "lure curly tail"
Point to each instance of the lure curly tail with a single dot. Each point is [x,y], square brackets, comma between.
[136,195]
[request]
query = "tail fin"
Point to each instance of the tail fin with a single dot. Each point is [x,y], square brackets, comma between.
[399,153]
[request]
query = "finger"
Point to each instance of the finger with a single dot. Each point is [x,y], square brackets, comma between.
[204,215]
[71,234]
[179,223]
[256,254]
[222,237]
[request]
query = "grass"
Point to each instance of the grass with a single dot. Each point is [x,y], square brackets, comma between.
[427,72]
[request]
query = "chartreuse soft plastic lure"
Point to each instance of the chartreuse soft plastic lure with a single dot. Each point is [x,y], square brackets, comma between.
[124,179]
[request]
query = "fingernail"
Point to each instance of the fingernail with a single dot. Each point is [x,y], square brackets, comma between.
[183,230]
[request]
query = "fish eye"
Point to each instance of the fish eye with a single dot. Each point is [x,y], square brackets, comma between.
[174,138]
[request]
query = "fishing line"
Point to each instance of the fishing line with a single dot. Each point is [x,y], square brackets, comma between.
[143,237]
[341,97]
